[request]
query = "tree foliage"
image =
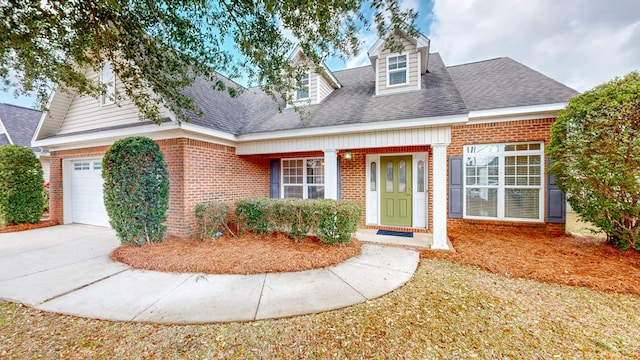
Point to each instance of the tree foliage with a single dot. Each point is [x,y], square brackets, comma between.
[136,190]
[595,151]
[21,186]
[165,45]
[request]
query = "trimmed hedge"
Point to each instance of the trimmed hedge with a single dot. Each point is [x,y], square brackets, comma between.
[332,221]
[21,186]
[211,218]
[136,190]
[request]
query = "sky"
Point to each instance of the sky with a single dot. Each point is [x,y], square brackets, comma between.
[581,43]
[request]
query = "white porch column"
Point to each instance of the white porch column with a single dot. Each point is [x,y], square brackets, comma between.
[439,209]
[331,174]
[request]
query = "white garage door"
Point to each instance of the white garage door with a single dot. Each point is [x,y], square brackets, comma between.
[86,193]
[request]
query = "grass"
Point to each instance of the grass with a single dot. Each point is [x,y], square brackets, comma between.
[446,311]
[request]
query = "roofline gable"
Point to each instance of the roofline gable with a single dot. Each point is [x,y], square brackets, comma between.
[328,74]
[422,42]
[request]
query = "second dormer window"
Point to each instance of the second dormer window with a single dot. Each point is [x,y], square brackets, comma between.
[303,87]
[397,69]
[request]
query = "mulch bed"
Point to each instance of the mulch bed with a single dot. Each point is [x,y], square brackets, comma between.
[23,227]
[570,260]
[246,254]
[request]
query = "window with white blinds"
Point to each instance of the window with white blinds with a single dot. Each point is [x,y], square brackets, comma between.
[303,178]
[503,181]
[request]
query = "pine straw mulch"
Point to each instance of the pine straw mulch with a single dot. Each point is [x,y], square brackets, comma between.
[245,254]
[571,260]
[23,227]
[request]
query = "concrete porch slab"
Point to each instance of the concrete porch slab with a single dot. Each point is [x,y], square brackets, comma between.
[419,240]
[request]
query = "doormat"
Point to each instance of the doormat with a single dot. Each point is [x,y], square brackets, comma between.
[395,233]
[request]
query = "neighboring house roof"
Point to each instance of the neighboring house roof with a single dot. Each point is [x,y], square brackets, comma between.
[20,123]
[503,82]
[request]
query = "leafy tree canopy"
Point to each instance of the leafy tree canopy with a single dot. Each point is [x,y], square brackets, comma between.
[595,151]
[164,45]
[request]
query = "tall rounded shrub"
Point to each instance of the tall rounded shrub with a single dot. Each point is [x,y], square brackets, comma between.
[136,190]
[595,152]
[21,186]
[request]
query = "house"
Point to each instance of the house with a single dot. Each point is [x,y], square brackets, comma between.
[419,145]
[17,126]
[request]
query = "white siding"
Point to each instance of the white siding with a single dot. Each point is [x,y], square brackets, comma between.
[86,113]
[324,89]
[46,166]
[412,64]
[402,137]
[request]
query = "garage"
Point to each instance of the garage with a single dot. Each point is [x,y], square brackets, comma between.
[87,204]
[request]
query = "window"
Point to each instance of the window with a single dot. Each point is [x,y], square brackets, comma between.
[503,181]
[82,166]
[374,177]
[420,176]
[397,69]
[108,78]
[303,178]
[303,90]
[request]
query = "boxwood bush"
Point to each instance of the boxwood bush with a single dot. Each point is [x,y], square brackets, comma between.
[332,221]
[21,186]
[211,218]
[136,190]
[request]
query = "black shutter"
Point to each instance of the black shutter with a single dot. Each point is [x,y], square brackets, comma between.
[455,187]
[556,202]
[275,179]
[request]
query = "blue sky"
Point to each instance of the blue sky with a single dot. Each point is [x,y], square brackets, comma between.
[581,43]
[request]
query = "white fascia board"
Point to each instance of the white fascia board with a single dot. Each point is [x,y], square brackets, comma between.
[92,138]
[513,112]
[357,128]
[228,139]
[4,131]
[43,117]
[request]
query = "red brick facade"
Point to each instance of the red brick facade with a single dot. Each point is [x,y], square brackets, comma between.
[199,171]
[202,171]
[502,132]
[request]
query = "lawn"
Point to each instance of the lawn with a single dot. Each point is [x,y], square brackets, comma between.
[446,311]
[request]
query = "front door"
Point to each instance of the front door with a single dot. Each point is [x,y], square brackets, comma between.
[396,201]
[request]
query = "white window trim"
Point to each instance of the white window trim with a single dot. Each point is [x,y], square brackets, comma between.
[308,89]
[305,185]
[501,180]
[406,69]
[110,97]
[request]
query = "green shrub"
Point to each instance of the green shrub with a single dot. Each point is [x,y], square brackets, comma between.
[332,221]
[21,186]
[211,218]
[136,190]
[595,152]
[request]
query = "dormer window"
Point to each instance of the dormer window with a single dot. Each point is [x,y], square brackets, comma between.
[108,78]
[397,70]
[303,89]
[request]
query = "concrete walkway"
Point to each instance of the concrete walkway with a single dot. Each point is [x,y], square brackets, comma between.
[66,269]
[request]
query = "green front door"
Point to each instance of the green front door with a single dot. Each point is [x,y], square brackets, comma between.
[396,197]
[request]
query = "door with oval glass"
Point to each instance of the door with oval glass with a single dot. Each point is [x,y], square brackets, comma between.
[396,197]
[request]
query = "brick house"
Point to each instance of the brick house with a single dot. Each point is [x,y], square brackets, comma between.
[17,126]
[419,145]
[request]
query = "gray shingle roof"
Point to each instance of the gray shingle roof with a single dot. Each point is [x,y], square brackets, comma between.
[355,103]
[4,140]
[503,82]
[19,122]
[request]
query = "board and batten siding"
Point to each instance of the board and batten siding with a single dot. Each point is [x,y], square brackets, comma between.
[388,138]
[413,65]
[87,113]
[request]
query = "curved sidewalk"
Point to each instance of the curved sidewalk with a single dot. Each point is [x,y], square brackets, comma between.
[66,269]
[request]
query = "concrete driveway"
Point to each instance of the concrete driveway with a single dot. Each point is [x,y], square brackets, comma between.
[66,269]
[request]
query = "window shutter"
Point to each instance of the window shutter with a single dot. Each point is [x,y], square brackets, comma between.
[455,187]
[556,202]
[274,181]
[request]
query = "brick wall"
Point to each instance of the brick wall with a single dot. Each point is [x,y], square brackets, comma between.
[199,171]
[501,132]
